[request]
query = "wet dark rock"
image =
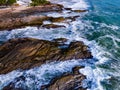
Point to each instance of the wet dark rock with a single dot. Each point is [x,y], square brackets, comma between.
[48,26]
[68,81]
[63,19]
[68,8]
[73,18]
[58,19]
[76,69]
[79,11]
[26,53]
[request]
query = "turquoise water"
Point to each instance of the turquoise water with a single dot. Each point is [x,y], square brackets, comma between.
[105,19]
[99,28]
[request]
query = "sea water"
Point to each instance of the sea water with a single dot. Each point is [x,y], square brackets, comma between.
[99,28]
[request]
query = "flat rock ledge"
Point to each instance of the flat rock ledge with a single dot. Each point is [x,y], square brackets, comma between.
[29,16]
[26,53]
[34,16]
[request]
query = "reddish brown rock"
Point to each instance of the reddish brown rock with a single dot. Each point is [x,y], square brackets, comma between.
[26,53]
[27,17]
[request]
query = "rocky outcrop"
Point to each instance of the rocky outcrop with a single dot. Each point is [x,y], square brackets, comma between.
[26,53]
[66,81]
[44,8]
[18,19]
[32,16]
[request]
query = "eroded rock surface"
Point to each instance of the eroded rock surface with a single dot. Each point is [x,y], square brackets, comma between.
[28,17]
[26,53]
[35,16]
[66,81]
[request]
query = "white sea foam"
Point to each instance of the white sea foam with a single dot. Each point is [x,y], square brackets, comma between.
[38,76]
[43,74]
[94,77]
[24,2]
[73,31]
[74,4]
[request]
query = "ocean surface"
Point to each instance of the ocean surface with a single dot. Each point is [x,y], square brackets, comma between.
[99,28]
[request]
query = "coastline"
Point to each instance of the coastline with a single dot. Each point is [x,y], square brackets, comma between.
[26,16]
[28,53]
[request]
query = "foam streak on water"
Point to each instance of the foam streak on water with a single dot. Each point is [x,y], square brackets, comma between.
[76,30]
[44,74]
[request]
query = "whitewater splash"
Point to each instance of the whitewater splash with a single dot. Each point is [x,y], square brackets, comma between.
[76,30]
[42,75]
[74,4]
[94,76]
[73,32]
[24,2]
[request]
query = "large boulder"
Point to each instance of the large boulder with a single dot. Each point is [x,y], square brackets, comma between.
[26,53]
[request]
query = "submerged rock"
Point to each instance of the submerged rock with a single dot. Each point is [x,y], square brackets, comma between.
[26,53]
[79,11]
[48,26]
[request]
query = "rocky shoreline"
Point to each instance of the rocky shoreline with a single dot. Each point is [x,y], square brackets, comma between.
[18,19]
[32,16]
[27,53]
[66,81]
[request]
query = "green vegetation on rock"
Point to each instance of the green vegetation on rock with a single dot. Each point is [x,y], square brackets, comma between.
[10,2]
[2,2]
[39,2]
[7,2]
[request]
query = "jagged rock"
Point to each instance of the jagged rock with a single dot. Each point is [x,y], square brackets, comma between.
[76,69]
[26,53]
[66,81]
